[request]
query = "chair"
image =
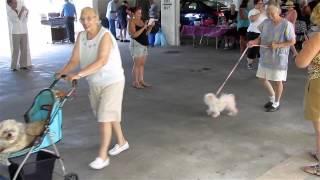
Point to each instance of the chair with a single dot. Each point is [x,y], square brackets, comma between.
[201,31]
[215,32]
[189,31]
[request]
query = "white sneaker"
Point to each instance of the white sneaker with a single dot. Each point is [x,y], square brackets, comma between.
[118,149]
[99,163]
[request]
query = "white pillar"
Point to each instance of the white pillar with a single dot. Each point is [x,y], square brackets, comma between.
[170,21]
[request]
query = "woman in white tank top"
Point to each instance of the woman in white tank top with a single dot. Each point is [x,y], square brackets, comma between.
[97,53]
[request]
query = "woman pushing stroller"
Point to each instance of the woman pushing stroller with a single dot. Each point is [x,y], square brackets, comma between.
[97,53]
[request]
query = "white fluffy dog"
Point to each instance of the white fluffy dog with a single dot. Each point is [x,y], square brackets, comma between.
[217,105]
[15,136]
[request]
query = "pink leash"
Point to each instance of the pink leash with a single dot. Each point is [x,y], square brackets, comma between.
[236,65]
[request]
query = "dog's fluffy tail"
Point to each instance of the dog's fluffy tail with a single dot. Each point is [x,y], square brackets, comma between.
[230,101]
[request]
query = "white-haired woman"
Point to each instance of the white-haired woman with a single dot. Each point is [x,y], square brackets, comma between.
[309,57]
[97,53]
[278,34]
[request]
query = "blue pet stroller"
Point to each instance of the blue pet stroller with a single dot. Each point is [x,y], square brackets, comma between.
[47,106]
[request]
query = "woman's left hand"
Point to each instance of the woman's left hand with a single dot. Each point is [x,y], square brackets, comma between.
[275,45]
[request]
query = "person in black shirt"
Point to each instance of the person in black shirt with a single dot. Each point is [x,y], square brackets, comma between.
[122,20]
[231,15]
[139,30]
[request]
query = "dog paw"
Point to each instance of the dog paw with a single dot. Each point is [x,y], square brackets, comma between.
[215,115]
[232,114]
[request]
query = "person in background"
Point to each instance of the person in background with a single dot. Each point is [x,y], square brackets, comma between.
[112,16]
[70,15]
[145,6]
[301,28]
[243,24]
[309,7]
[153,14]
[18,21]
[256,17]
[303,5]
[274,2]
[104,22]
[291,15]
[122,20]
[153,10]
[309,57]
[231,34]
[139,30]
[278,34]
[307,10]
[97,53]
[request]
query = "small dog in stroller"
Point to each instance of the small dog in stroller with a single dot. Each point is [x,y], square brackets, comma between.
[15,136]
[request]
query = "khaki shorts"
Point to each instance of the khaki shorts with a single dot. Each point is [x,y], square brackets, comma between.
[106,102]
[271,74]
[312,100]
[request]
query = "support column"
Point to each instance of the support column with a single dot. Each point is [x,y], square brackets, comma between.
[170,21]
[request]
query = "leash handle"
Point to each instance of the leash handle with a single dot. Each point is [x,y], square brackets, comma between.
[236,65]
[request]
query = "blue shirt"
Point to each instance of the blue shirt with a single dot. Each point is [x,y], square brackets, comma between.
[243,23]
[68,10]
[275,58]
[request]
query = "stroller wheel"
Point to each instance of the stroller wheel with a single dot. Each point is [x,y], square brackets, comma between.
[71,176]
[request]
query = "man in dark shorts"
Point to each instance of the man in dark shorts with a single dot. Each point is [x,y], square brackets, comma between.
[122,20]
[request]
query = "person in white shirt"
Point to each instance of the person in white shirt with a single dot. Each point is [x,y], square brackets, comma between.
[112,16]
[97,53]
[18,21]
[256,17]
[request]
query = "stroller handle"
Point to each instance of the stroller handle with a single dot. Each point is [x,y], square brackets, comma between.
[74,82]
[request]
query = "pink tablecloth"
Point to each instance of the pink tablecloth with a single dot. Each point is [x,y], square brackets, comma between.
[201,31]
[204,31]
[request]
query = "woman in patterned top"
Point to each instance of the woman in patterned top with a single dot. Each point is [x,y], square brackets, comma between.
[309,57]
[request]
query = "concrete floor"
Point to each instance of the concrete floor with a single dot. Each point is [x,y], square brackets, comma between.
[170,135]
